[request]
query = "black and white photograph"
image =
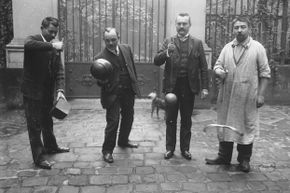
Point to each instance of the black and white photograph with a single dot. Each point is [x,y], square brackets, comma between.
[144,96]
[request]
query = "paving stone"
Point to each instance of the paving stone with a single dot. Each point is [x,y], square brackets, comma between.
[152,187]
[51,172]
[78,180]
[9,182]
[57,180]
[218,186]
[100,180]
[196,177]
[35,181]
[45,189]
[170,186]
[107,170]
[144,170]
[219,177]
[82,164]
[66,157]
[125,170]
[69,189]
[120,188]
[284,185]
[256,185]
[93,189]
[26,173]
[153,178]
[135,179]
[62,165]
[186,169]
[176,177]
[256,177]
[164,169]
[73,171]
[88,171]
[120,179]
[238,186]
[195,187]
[272,186]
[19,190]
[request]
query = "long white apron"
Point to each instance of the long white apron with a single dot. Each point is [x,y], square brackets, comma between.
[237,96]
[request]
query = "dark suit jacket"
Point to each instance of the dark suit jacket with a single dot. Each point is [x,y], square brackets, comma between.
[109,91]
[43,69]
[197,65]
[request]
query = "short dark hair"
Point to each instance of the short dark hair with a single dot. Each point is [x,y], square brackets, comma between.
[242,19]
[108,29]
[49,20]
[185,15]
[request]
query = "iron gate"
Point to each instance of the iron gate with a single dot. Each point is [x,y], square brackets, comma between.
[141,24]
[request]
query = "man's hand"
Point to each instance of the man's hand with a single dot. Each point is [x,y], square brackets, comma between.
[260,101]
[204,93]
[103,82]
[221,73]
[58,45]
[60,95]
[170,48]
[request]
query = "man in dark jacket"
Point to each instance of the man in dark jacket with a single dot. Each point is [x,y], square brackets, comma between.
[185,63]
[43,75]
[118,93]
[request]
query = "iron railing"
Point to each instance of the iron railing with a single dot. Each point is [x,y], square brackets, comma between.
[267,18]
[141,24]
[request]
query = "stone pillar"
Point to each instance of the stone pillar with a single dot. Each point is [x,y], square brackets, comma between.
[27,17]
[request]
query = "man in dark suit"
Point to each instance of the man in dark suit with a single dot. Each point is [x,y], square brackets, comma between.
[118,93]
[185,69]
[43,76]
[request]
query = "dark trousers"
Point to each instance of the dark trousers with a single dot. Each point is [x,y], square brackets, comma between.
[124,105]
[226,151]
[185,103]
[39,122]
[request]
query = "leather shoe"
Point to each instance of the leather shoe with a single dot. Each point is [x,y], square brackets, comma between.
[108,157]
[217,161]
[245,166]
[186,155]
[58,150]
[44,164]
[128,145]
[168,154]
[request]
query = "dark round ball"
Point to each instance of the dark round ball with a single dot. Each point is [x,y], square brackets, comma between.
[170,99]
[101,69]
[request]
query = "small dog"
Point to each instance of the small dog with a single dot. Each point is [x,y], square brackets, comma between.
[157,103]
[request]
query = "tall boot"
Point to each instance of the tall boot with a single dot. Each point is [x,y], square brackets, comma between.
[244,156]
[224,155]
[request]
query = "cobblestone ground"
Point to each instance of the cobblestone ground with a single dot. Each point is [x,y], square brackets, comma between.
[144,169]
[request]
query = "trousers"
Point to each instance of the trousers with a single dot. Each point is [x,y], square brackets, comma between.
[124,106]
[185,103]
[39,123]
[226,151]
